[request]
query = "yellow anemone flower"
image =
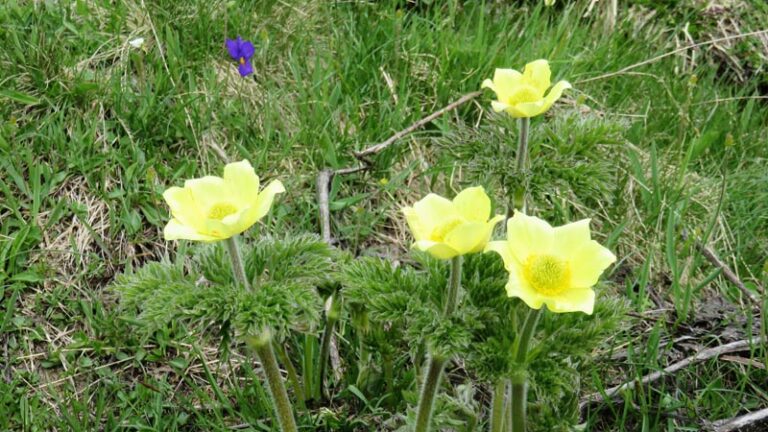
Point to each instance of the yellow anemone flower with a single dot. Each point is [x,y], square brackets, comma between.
[214,208]
[552,266]
[446,228]
[523,94]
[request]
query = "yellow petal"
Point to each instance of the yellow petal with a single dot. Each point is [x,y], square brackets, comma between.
[243,182]
[175,230]
[570,238]
[467,237]
[505,81]
[266,197]
[437,250]
[588,262]
[418,229]
[538,74]
[517,287]
[573,300]
[527,109]
[183,206]
[233,224]
[529,235]
[208,191]
[501,247]
[488,84]
[489,226]
[434,211]
[525,93]
[473,204]
[555,94]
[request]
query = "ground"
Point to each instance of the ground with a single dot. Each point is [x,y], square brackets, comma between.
[662,142]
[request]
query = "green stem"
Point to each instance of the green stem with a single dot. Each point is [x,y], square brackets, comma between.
[238,268]
[293,376]
[276,387]
[436,364]
[497,410]
[428,392]
[525,336]
[519,402]
[310,379]
[521,164]
[520,379]
[508,406]
[263,347]
[389,372]
[331,316]
[452,296]
[522,144]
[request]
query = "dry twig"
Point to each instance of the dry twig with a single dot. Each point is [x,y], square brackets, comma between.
[710,255]
[381,146]
[729,274]
[670,53]
[700,356]
[737,423]
[324,177]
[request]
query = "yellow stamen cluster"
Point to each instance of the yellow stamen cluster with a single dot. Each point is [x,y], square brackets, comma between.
[221,210]
[547,274]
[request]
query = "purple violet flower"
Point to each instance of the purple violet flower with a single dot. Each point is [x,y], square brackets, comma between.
[241,51]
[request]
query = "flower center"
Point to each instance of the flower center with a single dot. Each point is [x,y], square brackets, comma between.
[440,231]
[524,93]
[547,275]
[221,210]
[242,60]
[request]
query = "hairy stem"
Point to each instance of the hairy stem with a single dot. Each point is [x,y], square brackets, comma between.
[331,316]
[428,393]
[497,409]
[293,376]
[309,366]
[520,379]
[521,164]
[508,406]
[263,347]
[238,268]
[276,387]
[436,364]
[452,296]
[389,372]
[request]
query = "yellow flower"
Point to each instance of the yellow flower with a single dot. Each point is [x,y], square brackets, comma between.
[549,2]
[552,266]
[523,95]
[446,229]
[215,208]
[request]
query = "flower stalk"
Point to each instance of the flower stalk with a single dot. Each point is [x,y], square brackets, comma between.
[333,310]
[497,407]
[236,258]
[293,376]
[436,363]
[521,164]
[453,286]
[276,387]
[262,345]
[519,394]
[428,393]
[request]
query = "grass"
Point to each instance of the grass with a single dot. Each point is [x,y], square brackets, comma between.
[92,130]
